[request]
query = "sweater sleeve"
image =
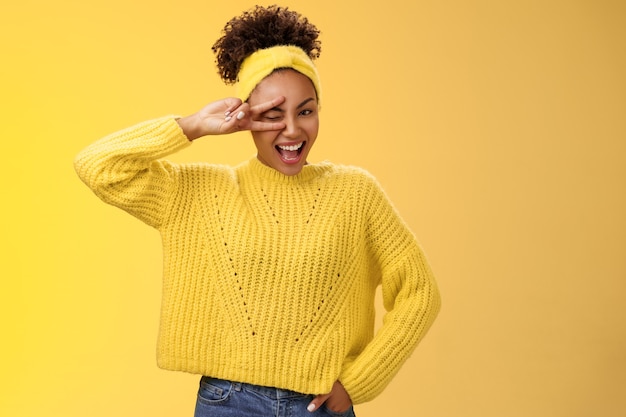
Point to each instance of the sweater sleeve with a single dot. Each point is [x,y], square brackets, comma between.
[124,169]
[410,295]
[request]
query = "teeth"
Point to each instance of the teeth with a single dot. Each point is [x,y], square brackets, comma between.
[292,147]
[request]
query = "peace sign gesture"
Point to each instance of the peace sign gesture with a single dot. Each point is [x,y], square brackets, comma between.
[229,115]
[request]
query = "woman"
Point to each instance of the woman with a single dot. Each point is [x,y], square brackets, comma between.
[271,266]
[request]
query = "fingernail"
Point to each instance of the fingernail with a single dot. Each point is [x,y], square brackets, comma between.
[227,118]
[311,407]
[227,113]
[240,115]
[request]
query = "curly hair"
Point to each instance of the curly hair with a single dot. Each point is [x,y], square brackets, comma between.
[260,28]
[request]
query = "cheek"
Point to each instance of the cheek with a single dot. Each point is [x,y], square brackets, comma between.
[263,140]
[313,128]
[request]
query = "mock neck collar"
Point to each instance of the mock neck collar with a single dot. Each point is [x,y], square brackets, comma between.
[264,172]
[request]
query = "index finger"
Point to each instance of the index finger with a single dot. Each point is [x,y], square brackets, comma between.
[317,402]
[267,105]
[259,126]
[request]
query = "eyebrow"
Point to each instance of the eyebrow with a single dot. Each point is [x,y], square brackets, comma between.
[297,107]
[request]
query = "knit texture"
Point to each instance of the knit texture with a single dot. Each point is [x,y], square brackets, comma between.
[270,279]
[263,62]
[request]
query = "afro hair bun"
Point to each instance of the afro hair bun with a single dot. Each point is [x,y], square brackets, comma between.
[260,28]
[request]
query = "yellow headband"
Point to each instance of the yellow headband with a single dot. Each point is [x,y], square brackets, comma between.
[263,62]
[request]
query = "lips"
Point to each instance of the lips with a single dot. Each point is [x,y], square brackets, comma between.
[290,153]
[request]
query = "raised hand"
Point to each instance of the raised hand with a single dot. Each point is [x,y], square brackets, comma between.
[227,116]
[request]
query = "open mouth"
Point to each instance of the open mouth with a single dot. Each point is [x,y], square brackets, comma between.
[290,153]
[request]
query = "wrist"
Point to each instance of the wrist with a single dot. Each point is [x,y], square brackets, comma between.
[189,126]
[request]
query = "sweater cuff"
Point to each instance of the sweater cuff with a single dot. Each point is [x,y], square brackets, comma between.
[354,385]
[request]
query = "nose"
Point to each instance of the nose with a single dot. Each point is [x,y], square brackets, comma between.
[292,129]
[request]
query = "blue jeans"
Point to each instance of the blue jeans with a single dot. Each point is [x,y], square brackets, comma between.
[221,398]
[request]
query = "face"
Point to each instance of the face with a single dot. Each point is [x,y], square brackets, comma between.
[286,150]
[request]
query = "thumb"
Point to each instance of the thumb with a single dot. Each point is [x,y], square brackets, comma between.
[317,402]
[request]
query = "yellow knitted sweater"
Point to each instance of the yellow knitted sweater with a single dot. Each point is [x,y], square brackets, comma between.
[270,279]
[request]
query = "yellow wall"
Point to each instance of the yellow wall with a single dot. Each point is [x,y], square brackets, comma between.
[497,127]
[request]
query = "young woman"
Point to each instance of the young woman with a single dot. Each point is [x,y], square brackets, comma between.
[271,266]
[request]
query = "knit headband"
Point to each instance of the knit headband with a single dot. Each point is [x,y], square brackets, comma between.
[263,62]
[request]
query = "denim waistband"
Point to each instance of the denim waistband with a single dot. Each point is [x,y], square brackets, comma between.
[269,392]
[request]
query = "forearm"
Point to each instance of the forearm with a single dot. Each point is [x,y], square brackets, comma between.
[415,307]
[119,167]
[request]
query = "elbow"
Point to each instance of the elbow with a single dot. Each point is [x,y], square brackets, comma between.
[87,172]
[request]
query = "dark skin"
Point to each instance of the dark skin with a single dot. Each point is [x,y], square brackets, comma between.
[229,115]
[337,400]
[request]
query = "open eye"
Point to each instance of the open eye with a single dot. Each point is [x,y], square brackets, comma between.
[306,112]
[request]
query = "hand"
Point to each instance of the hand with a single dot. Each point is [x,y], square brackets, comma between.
[227,116]
[337,400]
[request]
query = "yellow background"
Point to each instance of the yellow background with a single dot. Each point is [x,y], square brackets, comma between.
[498,128]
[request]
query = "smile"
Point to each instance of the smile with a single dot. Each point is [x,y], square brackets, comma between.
[290,148]
[290,153]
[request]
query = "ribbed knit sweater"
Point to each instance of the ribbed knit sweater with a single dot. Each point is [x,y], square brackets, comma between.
[270,279]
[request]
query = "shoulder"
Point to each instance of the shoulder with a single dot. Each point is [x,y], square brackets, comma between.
[354,175]
[357,185]
[342,171]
